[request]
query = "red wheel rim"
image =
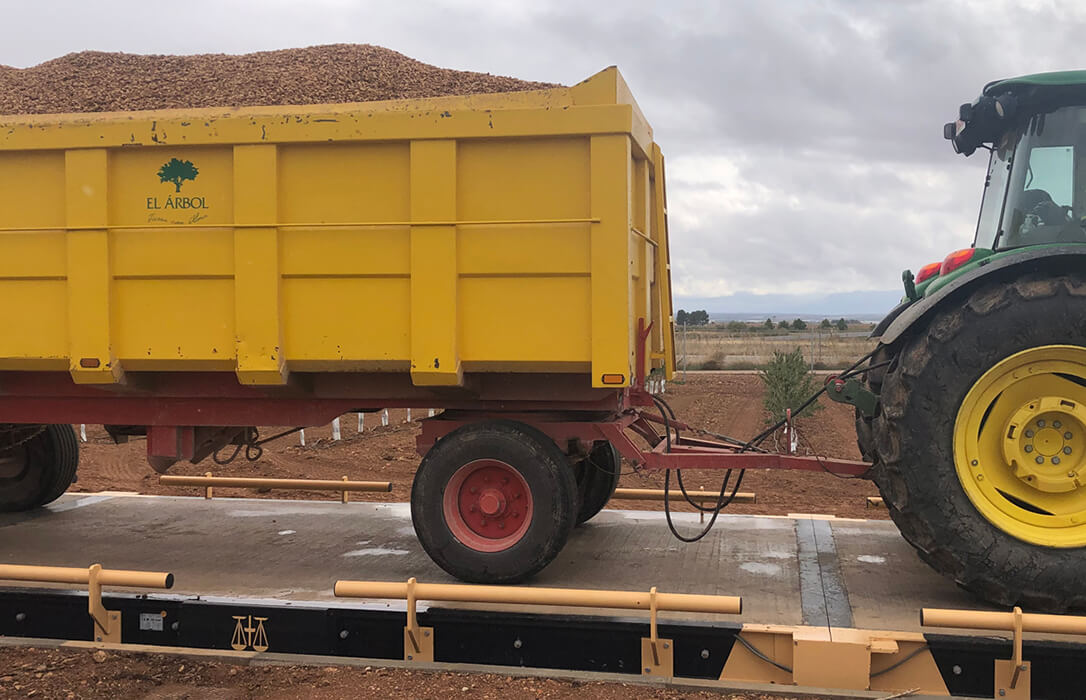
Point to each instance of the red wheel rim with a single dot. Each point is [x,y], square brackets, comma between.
[487,505]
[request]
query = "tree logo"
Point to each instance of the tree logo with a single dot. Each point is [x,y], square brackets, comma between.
[177,171]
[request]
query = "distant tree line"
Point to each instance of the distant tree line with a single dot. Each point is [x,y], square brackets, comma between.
[701,318]
[692,318]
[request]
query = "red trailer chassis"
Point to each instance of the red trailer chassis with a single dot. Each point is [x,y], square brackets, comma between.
[189,416]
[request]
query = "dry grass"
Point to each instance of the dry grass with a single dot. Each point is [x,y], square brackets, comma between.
[714,347]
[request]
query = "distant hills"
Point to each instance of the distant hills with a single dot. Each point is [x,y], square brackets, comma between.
[869,305]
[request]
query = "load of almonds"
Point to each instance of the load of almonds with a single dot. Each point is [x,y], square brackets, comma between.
[93,81]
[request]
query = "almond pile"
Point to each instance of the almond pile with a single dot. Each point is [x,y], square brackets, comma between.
[93,81]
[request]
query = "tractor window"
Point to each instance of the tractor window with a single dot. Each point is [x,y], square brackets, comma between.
[995,187]
[1051,170]
[1041,196]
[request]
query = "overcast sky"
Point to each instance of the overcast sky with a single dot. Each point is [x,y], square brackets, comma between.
[803,137]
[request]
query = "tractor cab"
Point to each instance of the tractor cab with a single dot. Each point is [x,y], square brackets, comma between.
[1035,130]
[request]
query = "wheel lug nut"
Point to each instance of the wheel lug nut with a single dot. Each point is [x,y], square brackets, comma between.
[1029,433]
[472,509]
[1029,448]
[1056,424]
[501,526]
[1040,460]
[482,521]
[474,490]
[1067,450]
[1055,460]
[1041,423]
[1068,435]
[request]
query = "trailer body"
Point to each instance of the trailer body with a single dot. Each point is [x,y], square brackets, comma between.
[427,241]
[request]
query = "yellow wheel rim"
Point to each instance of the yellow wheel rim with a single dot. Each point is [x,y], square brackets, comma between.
[1020,445]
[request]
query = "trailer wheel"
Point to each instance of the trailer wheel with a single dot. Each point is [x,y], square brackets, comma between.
[494,502]
[37,471]
[597,478]
[982,439]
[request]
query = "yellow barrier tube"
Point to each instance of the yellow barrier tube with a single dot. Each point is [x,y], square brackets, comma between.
[1004,621]
[517,595]
[107,577]
[252,483]
[676,496]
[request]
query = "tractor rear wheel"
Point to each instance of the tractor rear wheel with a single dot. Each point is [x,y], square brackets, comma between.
[494,502]
[981,443]
[597,478]
[38,465]
[873,378]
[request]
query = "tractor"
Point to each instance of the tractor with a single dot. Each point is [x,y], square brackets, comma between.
[978,435]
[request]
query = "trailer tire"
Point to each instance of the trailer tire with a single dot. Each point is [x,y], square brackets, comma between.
[494,502]
[937,408]
[38,471]
[597,478]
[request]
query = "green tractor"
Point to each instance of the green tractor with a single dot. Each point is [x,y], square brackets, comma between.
[978,439]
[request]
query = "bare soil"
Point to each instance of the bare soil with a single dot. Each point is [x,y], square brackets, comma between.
[729,404]
[67,674]
[95,81]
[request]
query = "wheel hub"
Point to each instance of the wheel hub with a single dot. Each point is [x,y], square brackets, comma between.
[13,463]
[1045,443]
[1020,445]
[492,503]
[488,505]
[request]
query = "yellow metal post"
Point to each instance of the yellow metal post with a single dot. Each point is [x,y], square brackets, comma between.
[613,327]
[662,296]
[258,308]
[657,655]
[435,355]
[90,283]
[418,642]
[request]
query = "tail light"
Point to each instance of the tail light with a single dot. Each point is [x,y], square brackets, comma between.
[956,259]
[927,272]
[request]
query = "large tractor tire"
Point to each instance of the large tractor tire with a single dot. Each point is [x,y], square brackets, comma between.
[981,442]
[873,378]
[494,502]
[36,471]
[597,478]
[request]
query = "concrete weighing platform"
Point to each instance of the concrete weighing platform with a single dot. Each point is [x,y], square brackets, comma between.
[789,570]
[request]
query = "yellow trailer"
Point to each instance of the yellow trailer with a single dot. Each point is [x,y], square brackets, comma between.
[508,233]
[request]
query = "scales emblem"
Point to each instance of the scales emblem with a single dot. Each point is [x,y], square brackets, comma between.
[248,637]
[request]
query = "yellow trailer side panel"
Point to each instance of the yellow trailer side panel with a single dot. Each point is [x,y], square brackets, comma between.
[520,232]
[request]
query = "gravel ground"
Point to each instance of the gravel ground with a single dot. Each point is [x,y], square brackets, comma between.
[71,674]
[94,81]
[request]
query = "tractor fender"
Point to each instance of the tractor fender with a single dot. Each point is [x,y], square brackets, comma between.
[905,318]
